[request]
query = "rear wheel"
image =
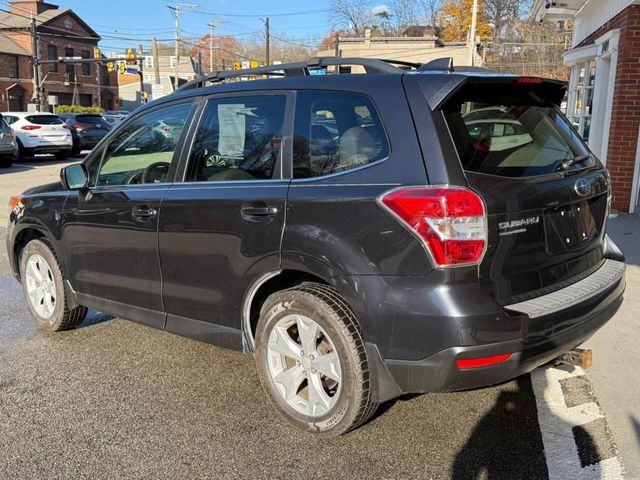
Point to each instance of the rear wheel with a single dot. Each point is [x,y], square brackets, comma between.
[24,153]
[312,362]
[43,288]
[6,162]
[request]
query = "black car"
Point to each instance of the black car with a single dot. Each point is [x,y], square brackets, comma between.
[346,229]
[87,129]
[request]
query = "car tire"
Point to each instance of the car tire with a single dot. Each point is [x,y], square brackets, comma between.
[325,390]
[23,153]
[44,291]
[62,155]
[6,162]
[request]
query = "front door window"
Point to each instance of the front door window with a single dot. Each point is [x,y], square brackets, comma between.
[142,151]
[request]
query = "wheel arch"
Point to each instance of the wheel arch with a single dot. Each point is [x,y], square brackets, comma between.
[259,291]
[22,238]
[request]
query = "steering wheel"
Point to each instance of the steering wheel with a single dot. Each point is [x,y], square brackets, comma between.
[149,176]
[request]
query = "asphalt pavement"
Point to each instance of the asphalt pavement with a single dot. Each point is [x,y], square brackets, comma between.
[114,399]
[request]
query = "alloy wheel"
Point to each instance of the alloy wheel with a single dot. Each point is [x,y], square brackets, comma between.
[304,365]
[41,287]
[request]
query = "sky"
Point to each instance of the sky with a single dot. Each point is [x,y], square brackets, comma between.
[123,23]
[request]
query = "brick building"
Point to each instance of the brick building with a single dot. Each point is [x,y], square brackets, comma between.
[61,33]
[604,86]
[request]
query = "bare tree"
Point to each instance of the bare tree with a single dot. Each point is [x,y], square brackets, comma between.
[354,15]
[501,13]
[431,11]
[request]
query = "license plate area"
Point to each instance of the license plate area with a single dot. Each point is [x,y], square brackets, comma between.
[571,227]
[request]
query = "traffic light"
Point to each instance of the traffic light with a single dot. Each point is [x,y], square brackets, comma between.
[131,56]
[111,67]
[97,54]
[123,68]
[237,65]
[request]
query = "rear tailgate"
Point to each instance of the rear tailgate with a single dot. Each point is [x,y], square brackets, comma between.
[546,195]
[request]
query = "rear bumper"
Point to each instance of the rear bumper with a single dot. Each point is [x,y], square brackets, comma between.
[439,371]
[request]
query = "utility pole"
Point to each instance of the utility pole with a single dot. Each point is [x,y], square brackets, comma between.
[472,33]
[156,64]
[267,40]
[212,26]
[177,11]
[337,45]
[36,64]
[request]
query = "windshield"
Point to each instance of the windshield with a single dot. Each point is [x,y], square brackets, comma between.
[514,140]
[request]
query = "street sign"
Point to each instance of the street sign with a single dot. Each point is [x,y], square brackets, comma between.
[69,59]
[52,100]
[317,71]
[254,64]
[157,91]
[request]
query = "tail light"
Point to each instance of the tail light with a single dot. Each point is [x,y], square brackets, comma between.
[79,126]
[451,221]
[31,127]
[528,80]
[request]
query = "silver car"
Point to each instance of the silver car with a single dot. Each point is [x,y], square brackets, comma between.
[8,145]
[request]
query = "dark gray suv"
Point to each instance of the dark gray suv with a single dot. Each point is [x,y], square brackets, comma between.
[416,228]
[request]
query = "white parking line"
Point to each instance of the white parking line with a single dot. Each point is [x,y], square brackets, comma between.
[577,442]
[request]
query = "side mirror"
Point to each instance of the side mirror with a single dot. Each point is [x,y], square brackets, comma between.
[74,177]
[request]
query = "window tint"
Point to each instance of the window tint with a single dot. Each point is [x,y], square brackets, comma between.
[44,119]
[93,119]
[518,138]
[335,132]
[238,139]
[143,150]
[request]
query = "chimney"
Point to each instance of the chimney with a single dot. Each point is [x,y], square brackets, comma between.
[30,7]
[140,49]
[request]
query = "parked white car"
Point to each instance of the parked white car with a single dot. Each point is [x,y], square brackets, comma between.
[40,132]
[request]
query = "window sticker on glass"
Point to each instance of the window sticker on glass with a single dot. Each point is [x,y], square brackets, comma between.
[232,121]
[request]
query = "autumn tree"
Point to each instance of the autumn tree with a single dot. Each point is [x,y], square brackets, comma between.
[455,19]
[225,51]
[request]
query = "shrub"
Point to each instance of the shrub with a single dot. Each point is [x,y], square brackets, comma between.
[78,109]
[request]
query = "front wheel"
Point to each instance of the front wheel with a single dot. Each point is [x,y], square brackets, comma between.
[43,288]
[312,362]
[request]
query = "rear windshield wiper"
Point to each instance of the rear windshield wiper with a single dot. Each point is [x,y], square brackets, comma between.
[572,161]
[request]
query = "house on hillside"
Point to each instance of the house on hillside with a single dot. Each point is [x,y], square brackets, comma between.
[604,86]
[61,33]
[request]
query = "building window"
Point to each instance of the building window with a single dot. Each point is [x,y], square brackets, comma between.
[148,62]
[14,69]
[149,77]
[172,62]
[580,101]
[52,54]
[86,67]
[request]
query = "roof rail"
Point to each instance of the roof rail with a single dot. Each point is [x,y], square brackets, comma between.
[298,69]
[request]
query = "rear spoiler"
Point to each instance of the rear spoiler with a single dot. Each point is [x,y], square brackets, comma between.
[439,87]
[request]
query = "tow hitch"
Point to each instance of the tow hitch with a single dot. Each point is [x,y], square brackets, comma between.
[578,357]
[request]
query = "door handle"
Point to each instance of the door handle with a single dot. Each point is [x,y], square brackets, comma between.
[144,212]
[259,210]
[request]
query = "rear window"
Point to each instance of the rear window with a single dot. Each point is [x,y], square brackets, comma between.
[90,119]
[44,120]
[512,135]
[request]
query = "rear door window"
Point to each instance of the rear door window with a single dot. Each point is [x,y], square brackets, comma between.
[336,132]
[513,137]
[90,119]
